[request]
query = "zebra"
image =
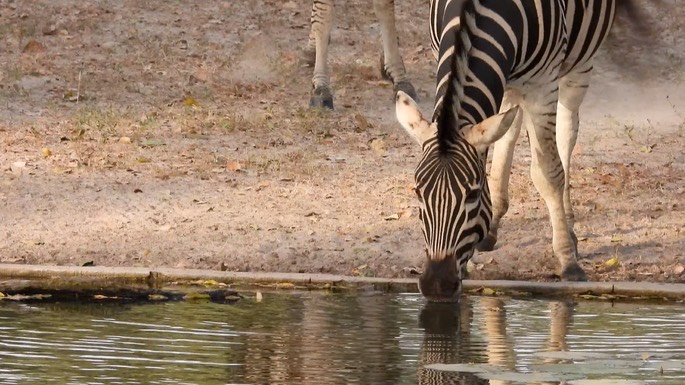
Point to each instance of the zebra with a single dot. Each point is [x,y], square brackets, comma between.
[316,51]
[529,60]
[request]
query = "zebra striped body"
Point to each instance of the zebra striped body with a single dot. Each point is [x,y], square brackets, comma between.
[531,60]
[316,52]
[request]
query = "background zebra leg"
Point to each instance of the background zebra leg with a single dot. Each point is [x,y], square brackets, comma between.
[322,24]
[548,176]
[500,171]
[392,66]
[572,90]
[309,53]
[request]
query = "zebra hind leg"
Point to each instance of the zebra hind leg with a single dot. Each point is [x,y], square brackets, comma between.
[320,34]
[391,64]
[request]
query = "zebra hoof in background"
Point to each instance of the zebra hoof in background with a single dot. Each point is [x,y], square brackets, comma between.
[321,97]
[573,272]
[403,85]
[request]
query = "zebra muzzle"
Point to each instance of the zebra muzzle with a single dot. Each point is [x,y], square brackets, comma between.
[440,280]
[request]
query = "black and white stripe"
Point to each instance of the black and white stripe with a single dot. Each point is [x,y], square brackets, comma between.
[494,55]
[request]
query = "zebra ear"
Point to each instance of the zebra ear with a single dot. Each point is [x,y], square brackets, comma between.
[487,132]
[411,119]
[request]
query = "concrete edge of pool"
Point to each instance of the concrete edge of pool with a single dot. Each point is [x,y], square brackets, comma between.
[15,277]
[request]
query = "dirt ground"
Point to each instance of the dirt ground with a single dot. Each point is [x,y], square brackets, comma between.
[178,134]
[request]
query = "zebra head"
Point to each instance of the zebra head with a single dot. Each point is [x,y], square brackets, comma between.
[451,185]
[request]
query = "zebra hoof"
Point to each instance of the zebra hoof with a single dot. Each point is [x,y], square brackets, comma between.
[407,88]
[321,97]
[573,272]
[487,244]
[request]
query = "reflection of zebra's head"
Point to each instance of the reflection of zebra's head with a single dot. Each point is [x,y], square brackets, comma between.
[452,188]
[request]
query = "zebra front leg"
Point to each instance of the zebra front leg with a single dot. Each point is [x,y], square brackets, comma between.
[392,66]
[572,90]
[500,170]
[548,176]
[322,24]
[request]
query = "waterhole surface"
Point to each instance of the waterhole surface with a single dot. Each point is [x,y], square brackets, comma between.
[317,338]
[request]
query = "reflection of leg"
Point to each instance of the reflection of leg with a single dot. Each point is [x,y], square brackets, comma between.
[378,326]
[572,89]
[392,66]
[500,171]
[311,357]
[548,175]
[499,348]
[561,313]
[322,24]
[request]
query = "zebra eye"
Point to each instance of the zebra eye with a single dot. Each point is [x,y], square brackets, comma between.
[473,196]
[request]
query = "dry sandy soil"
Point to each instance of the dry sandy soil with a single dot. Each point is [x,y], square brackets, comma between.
[176,133]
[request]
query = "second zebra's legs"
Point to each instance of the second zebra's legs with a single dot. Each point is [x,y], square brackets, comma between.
[392,66]
[549,176]
[316,51]
[572,90]
[320,36]
[500,170]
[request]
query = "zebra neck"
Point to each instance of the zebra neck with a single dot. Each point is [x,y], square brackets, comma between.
[476,55]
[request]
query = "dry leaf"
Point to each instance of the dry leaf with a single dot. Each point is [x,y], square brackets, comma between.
[647,149]
[152,143]
[201,75]
[611,262]
[191,102]
[258,296]
[285,285]
[392,217]
[679,269]
[45,152]
[362,123]
[404,213]
[34,46]
[488,291]
[125,139]
[378,146]
[616,239]
[233,165]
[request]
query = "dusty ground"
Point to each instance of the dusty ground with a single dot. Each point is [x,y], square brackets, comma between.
[163,133]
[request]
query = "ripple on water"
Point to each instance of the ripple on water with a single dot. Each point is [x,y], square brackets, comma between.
[343,339]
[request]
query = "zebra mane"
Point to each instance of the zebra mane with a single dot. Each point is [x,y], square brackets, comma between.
[447,113]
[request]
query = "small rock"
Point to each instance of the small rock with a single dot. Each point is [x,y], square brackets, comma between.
[679,269]
[18,167]
[49,30]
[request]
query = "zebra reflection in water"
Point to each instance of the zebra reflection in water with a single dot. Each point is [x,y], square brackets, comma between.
[449,338]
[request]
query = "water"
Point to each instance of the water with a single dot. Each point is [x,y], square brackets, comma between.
[318,338]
